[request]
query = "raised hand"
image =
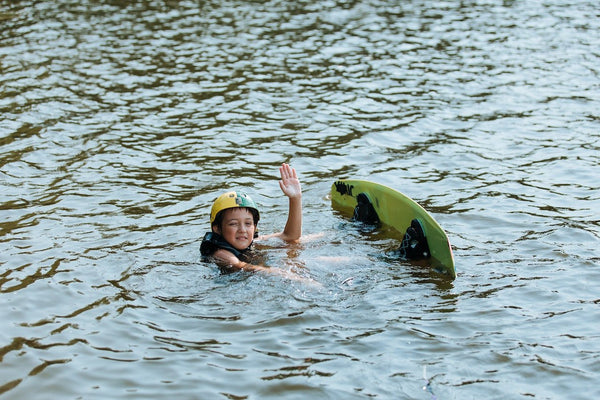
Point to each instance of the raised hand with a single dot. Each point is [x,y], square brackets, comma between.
[289,183]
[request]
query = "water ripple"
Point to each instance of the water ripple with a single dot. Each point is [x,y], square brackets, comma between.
[122,122]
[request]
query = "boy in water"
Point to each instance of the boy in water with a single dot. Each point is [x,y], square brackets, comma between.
[234,217]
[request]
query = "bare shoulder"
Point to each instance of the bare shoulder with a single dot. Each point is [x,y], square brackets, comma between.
[303,238]
[262,238]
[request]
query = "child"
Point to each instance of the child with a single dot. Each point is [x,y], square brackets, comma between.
[234,217]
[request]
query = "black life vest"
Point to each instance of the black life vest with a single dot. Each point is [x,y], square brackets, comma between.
[213,241]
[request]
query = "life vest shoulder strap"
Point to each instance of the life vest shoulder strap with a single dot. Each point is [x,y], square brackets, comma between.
[213,242]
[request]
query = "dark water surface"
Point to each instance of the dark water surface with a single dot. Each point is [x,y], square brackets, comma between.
[120,122]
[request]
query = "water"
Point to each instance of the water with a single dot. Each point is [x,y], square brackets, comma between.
[120,124]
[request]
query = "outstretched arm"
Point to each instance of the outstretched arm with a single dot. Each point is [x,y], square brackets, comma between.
[290,186]
[224,258]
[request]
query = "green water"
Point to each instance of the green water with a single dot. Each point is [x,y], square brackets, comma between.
[120,124]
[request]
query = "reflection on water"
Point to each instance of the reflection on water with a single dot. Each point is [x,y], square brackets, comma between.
[120,124]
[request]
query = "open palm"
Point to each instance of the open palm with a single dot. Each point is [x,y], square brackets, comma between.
[289,183]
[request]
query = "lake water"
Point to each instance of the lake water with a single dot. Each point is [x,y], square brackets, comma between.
[121,122]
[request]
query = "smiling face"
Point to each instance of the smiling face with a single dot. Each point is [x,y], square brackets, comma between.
[237,227]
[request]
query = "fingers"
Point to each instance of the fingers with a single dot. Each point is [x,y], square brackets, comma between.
[287,172]
[282,171]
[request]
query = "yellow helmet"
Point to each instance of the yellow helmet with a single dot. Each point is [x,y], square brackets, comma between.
[231,200]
